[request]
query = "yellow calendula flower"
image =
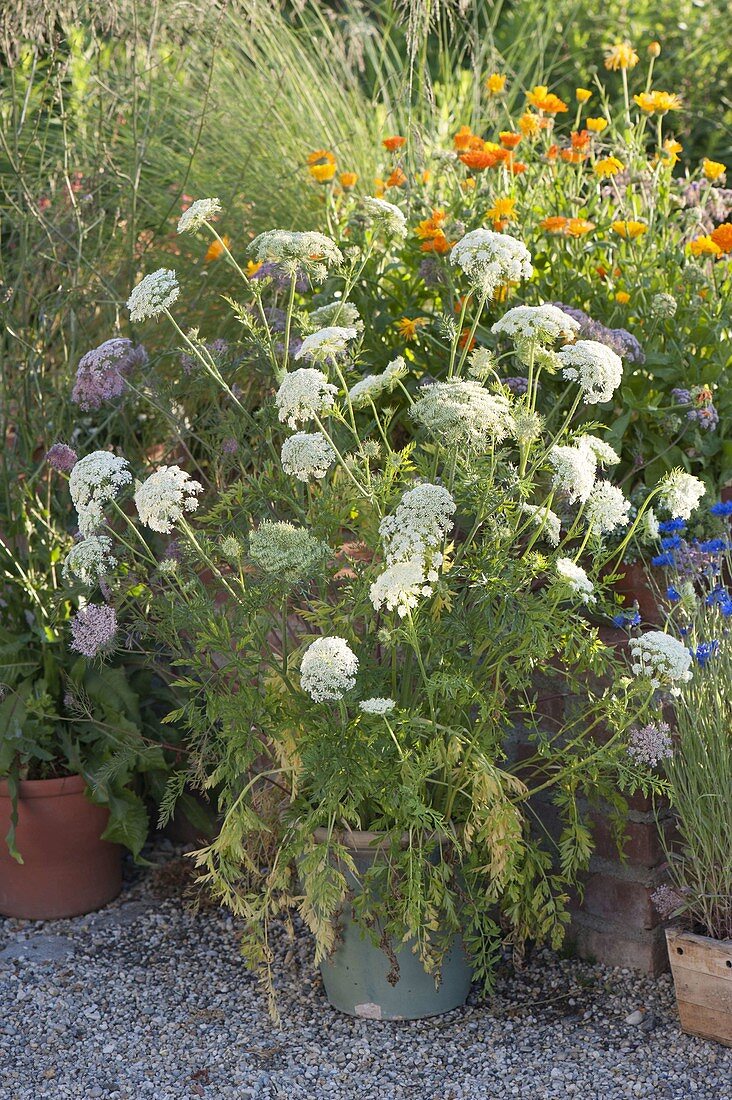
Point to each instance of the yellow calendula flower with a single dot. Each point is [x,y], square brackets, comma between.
[669,152]
[630,230]
[621,56]
[713,169]
[379,187]
[321,156]
[704,246]
[608,167]
[251,269]
[582,94]
[322,173]
[503,211]
[578,227]
[529,124]
[408,326]
[495,83]
[546,101]
[596,125]
[348,180]
[658,103]
[622,297]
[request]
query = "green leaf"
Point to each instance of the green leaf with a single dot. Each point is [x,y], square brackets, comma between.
[128,821]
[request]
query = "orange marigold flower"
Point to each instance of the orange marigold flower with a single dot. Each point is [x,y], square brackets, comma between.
[495,83]
[251,269]
[704,246]
[463,139]
[408,326]
[397,178]
[630,230]
[479,159]
[439,243]
[621,56]
[322,173]
[426,176]
[722,236]
[713,169]
[348,180]
[596,125]
[545,101]
[572,156]
[431,226]
[578,227]
[393,143]
[658,102]
[509,140]
[580,139]
[553,224]
[516,167]
[582,94]
[216,249]
[321,156]
[552,152]
[608,166]
[530,124]
[622,297]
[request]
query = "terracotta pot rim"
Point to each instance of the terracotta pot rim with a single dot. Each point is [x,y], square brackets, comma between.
[46,788]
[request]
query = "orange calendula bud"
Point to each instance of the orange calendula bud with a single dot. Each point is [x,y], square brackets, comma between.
[396,179]
[654,50]
[509,140]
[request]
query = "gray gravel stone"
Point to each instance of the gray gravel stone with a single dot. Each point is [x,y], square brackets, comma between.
[152,1001]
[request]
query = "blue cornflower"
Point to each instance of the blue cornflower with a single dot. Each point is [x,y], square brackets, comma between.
[671,543]
[670,525]
[673,594]
[722,508]
[713,546]
[627,618]
[704,651]
[663,559]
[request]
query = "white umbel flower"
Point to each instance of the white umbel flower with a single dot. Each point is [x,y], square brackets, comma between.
[491,259]
[421,521]
[387,215]
[607,508]
[305,455]
[596,367]
[164,498]
[285,551]
[89,561]
[680,493]
[543,324]
[326,343]
[464,412]
[94,481]
[605,455]
[153,294]
[303,394]
[372,386]
[400,587]
[573,576]
[285,246]
[197,214]
[548,521]
[328,669]
[574,471]
[377,705]
[664,659]
[336,313]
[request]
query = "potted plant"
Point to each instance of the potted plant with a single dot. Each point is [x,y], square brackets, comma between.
[360,626]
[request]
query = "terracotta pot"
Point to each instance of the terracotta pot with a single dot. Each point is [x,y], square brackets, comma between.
[67,869]
[702,970]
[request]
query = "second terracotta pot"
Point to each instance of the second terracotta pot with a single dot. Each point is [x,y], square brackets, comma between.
[67,868]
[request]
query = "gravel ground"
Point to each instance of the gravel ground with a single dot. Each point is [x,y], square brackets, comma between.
[149,1000]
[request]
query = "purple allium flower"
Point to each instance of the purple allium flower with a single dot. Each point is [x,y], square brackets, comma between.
[667,901]
[650,744]
[101,372]
[622,342]
[93,629]
[61,457]
[518,384]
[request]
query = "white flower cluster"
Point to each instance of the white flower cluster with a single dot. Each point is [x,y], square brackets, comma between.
[401,586]
[457,411]
[326,343]
[607,508]
[305,455]
[284,245]
[199,212]
[573,576]
[372,386]
[596,367]
[286,551]
[95,480]
[164,497]
[548,521]
[661,657]
[304,393]
[543,324]
[605,455]
[386,214]
[89,560]
[377,705]
[336,313]
[328,669]
[491,259]
[156,292]
[680,493]
[575,468]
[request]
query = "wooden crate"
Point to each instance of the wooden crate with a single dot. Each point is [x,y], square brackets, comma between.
[702,970]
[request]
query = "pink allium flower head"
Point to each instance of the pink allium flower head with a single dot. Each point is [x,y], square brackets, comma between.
[61,457]
[101,372]
[650,744]
[667,901]
[93,629]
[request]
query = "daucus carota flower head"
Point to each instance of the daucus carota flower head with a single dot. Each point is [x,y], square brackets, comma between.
[101,373]
[372,386]
[313,251]
[305,455]
[549,522]
[597,369]
[400,587]
[386,215]
[165,496]
[197,214]
[543,324]
[153,294]
[574,471]
[464,412]
[285,551]
[421,521]
[605,455]
[94,481]
[662,658]
[606,508]
[573,577]
[326,344]
[93,630]
[303,394]
[377,705]
[680,493]
[89,560]
[336,313]
[61,457]
[650,744]
[328,669]
[490,259]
